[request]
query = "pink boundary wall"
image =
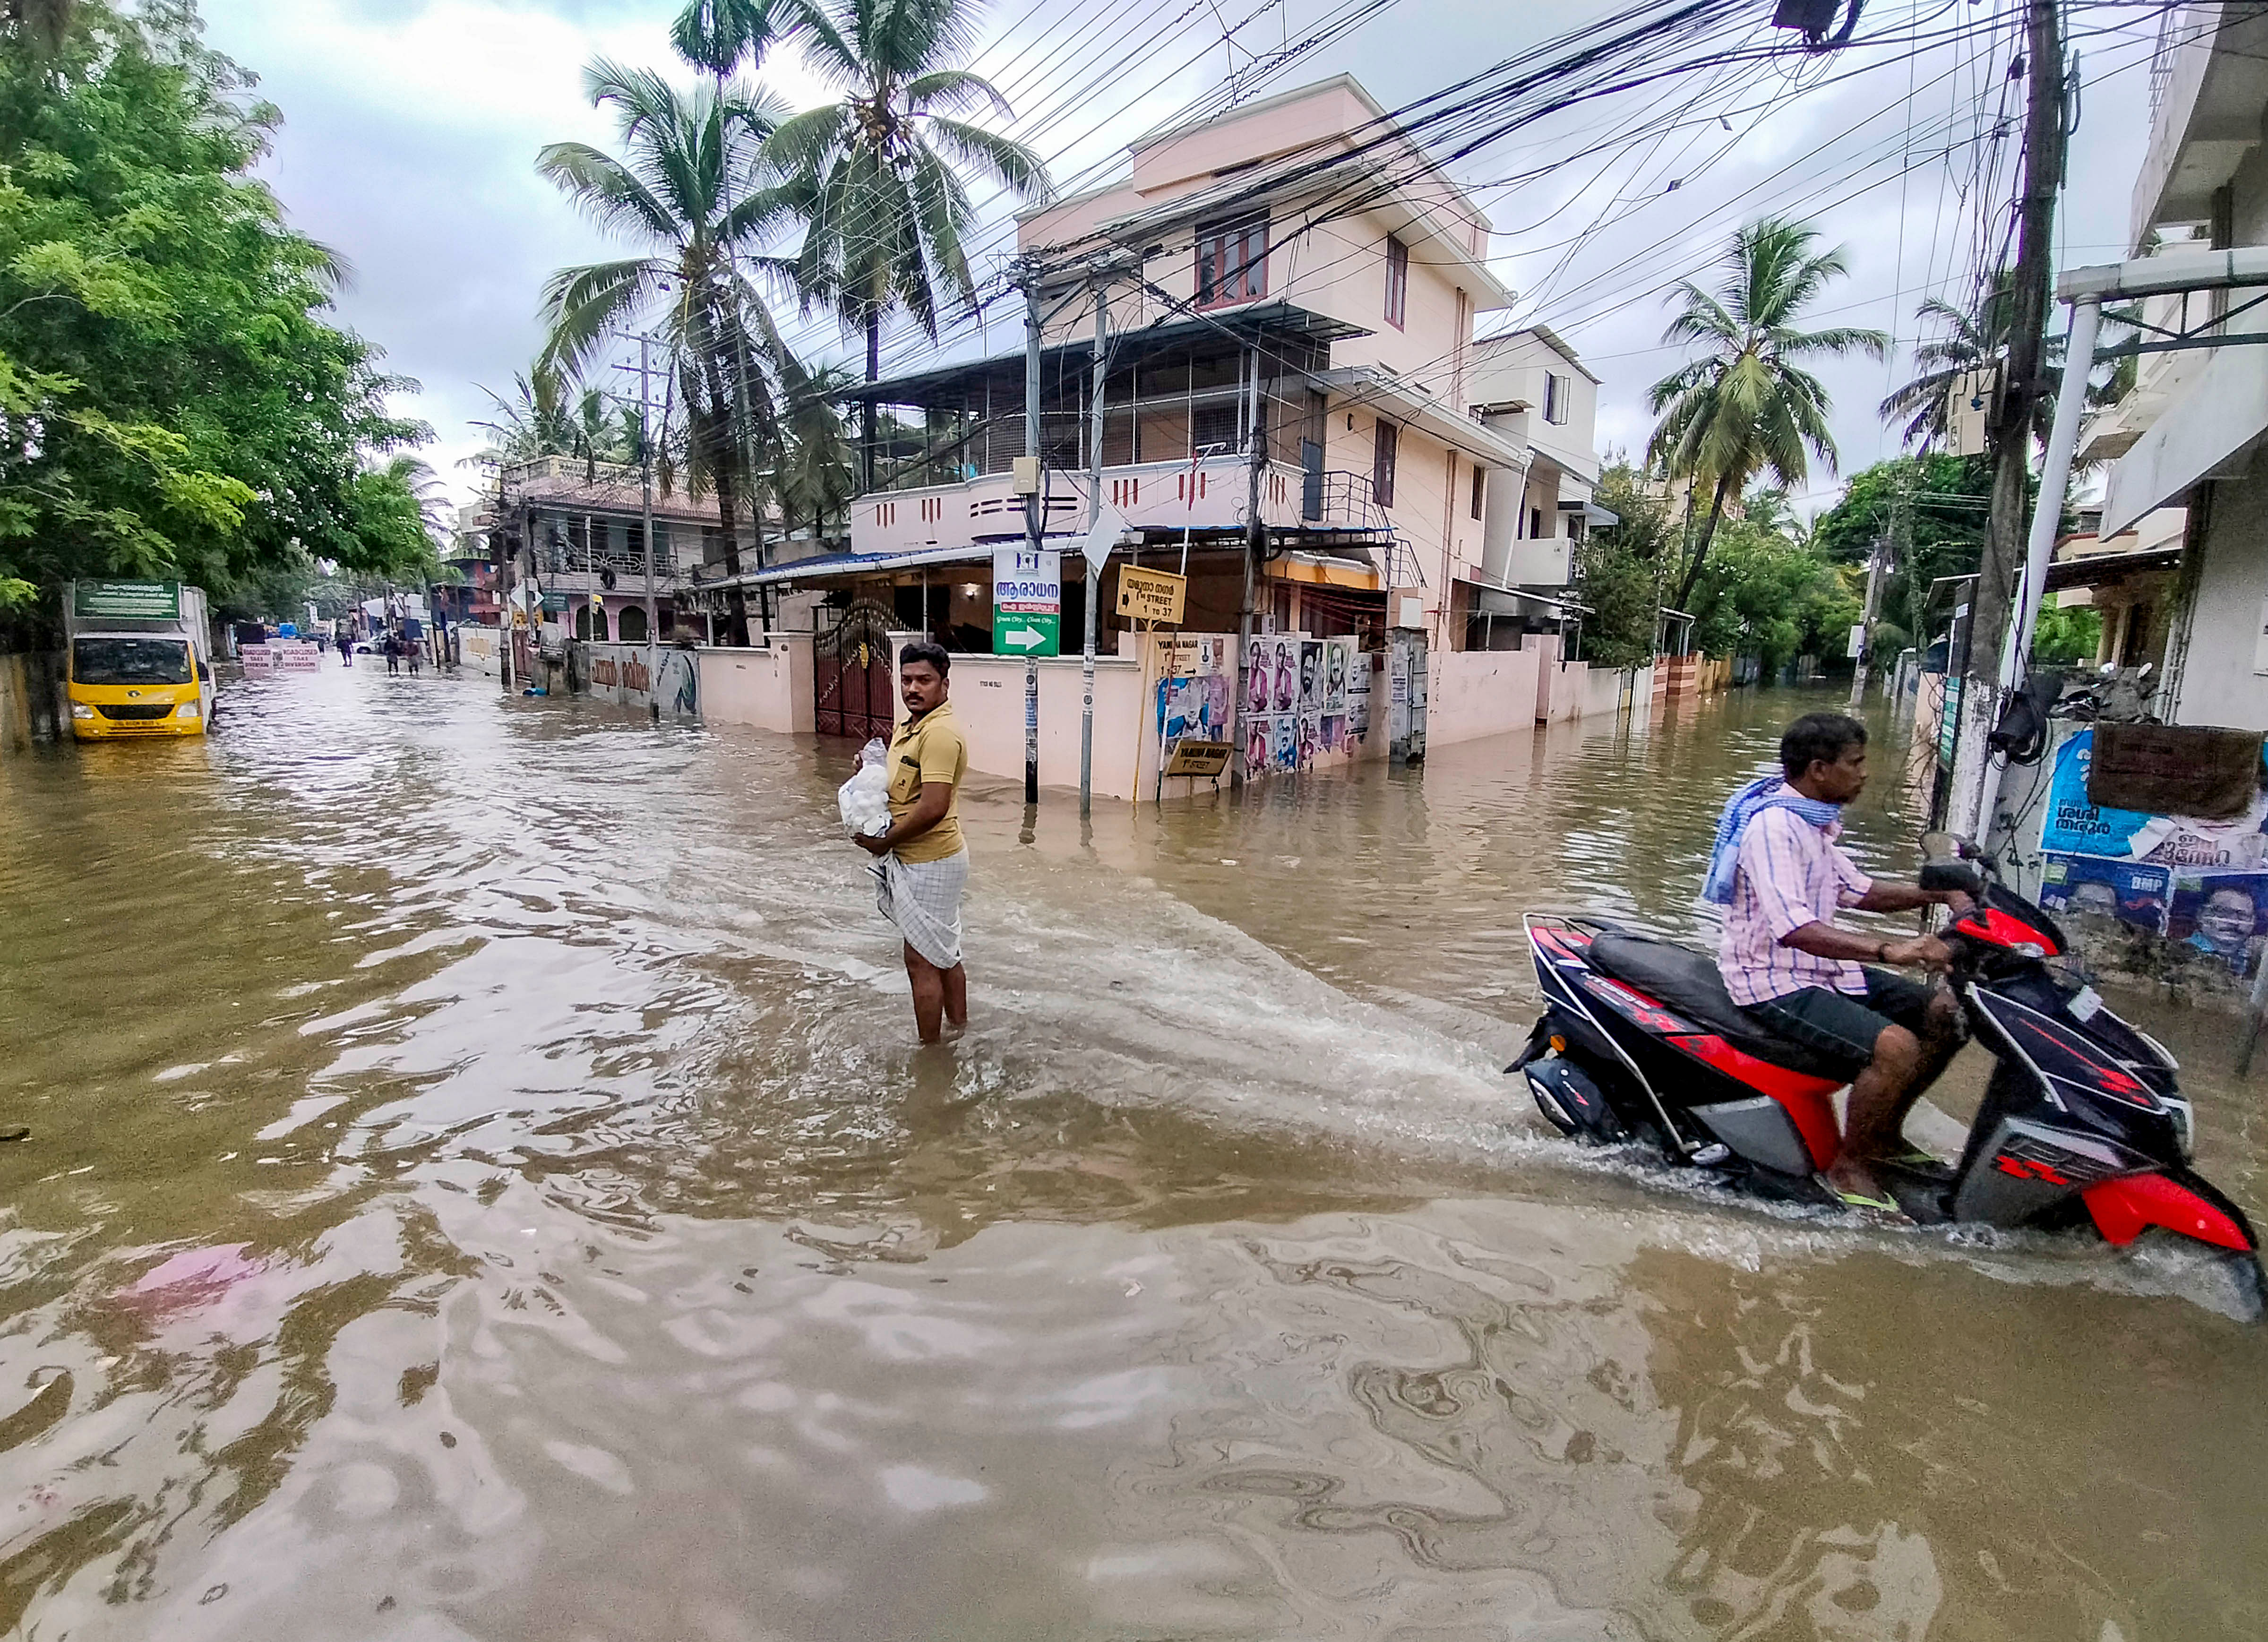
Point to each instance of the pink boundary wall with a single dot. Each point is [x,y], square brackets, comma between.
[1471,695]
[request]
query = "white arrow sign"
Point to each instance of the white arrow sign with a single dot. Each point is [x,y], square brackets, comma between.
[1024,637]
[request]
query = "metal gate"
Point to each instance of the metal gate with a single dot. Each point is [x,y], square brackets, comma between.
[851,676]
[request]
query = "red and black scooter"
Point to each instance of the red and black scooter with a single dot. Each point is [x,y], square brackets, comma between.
[2082,1123]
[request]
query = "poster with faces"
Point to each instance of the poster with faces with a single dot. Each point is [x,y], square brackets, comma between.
[1283,741]
[1283,668]
[1338,659]
[1311,675]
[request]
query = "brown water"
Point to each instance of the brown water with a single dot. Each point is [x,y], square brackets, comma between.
[482,1186]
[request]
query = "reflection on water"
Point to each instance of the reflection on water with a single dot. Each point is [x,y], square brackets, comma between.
[481,1185]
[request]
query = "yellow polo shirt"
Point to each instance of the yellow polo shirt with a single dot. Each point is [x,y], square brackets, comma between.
[929,748]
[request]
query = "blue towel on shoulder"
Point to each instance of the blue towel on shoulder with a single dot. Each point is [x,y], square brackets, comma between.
[1766,793]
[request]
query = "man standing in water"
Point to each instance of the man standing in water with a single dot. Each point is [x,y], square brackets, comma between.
[921,863]
[1781,877]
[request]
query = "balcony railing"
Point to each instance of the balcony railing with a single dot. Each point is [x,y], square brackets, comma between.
[1210,494]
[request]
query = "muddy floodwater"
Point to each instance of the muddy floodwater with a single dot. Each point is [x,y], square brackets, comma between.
[481,1185]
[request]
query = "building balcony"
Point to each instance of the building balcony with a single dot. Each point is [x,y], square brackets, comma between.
[626,582]
[1211,495]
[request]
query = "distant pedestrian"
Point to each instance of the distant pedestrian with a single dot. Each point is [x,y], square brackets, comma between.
[921,863]
[393,654]
[415,649]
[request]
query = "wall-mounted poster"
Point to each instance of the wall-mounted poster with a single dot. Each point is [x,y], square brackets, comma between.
[1283,665]
[2076,826]
[2221,916]
[1333,728]
[1259,680]
[1358,700]
[1258,727]
[1195,707]
[1311,675]
[1283,741]
[2084,888]
[1339,655]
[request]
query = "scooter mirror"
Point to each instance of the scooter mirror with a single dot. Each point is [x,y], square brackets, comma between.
[1946,846]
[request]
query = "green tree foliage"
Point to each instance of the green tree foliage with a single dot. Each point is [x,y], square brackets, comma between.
[1931,509]
[1618,570]
[1768,595]
[2067,637]
[173,401]
[1746,405]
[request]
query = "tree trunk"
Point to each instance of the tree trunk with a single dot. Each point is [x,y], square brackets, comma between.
[728,513]
[1701,548]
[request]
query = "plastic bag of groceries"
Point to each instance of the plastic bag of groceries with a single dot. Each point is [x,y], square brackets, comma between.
[865,797]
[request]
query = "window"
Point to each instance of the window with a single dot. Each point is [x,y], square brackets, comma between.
[1397,282]
[1381,463]
[1231,261]
[1480,488]
[131,661]
[1554,397]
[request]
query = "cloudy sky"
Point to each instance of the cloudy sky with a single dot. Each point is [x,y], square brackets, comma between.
[411,128]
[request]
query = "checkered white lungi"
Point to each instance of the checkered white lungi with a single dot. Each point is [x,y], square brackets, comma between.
[922,898]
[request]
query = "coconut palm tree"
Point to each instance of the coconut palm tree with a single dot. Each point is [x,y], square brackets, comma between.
[1976,340]
[876,177]
[532,422]
[1747,406]
[813,477]
[687,186]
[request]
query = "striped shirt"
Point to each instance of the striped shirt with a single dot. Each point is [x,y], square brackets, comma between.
[1788,873]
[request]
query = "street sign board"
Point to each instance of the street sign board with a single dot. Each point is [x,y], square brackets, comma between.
[1198,758]
[1026,602]
[1151,595]
[124,601]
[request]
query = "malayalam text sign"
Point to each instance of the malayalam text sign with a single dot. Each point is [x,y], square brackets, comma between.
[1151,595]
[128,601]
[1026,601]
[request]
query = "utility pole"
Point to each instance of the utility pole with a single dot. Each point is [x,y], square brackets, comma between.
[1093,566]
[1034,520]
[2010,439]
[1255,548]
[1877,561]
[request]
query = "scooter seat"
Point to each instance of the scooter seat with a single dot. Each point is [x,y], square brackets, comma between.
[1688,982]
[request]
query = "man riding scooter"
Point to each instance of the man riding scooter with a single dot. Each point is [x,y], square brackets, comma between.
[1781,877]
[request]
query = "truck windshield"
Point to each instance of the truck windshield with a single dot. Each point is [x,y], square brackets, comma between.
[130,661]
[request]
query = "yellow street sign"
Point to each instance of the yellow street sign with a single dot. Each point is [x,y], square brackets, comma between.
[1151,595]
[1198,758]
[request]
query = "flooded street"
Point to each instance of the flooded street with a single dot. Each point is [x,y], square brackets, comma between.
[483,1186]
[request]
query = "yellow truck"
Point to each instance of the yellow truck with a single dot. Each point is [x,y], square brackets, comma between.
[140,659]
